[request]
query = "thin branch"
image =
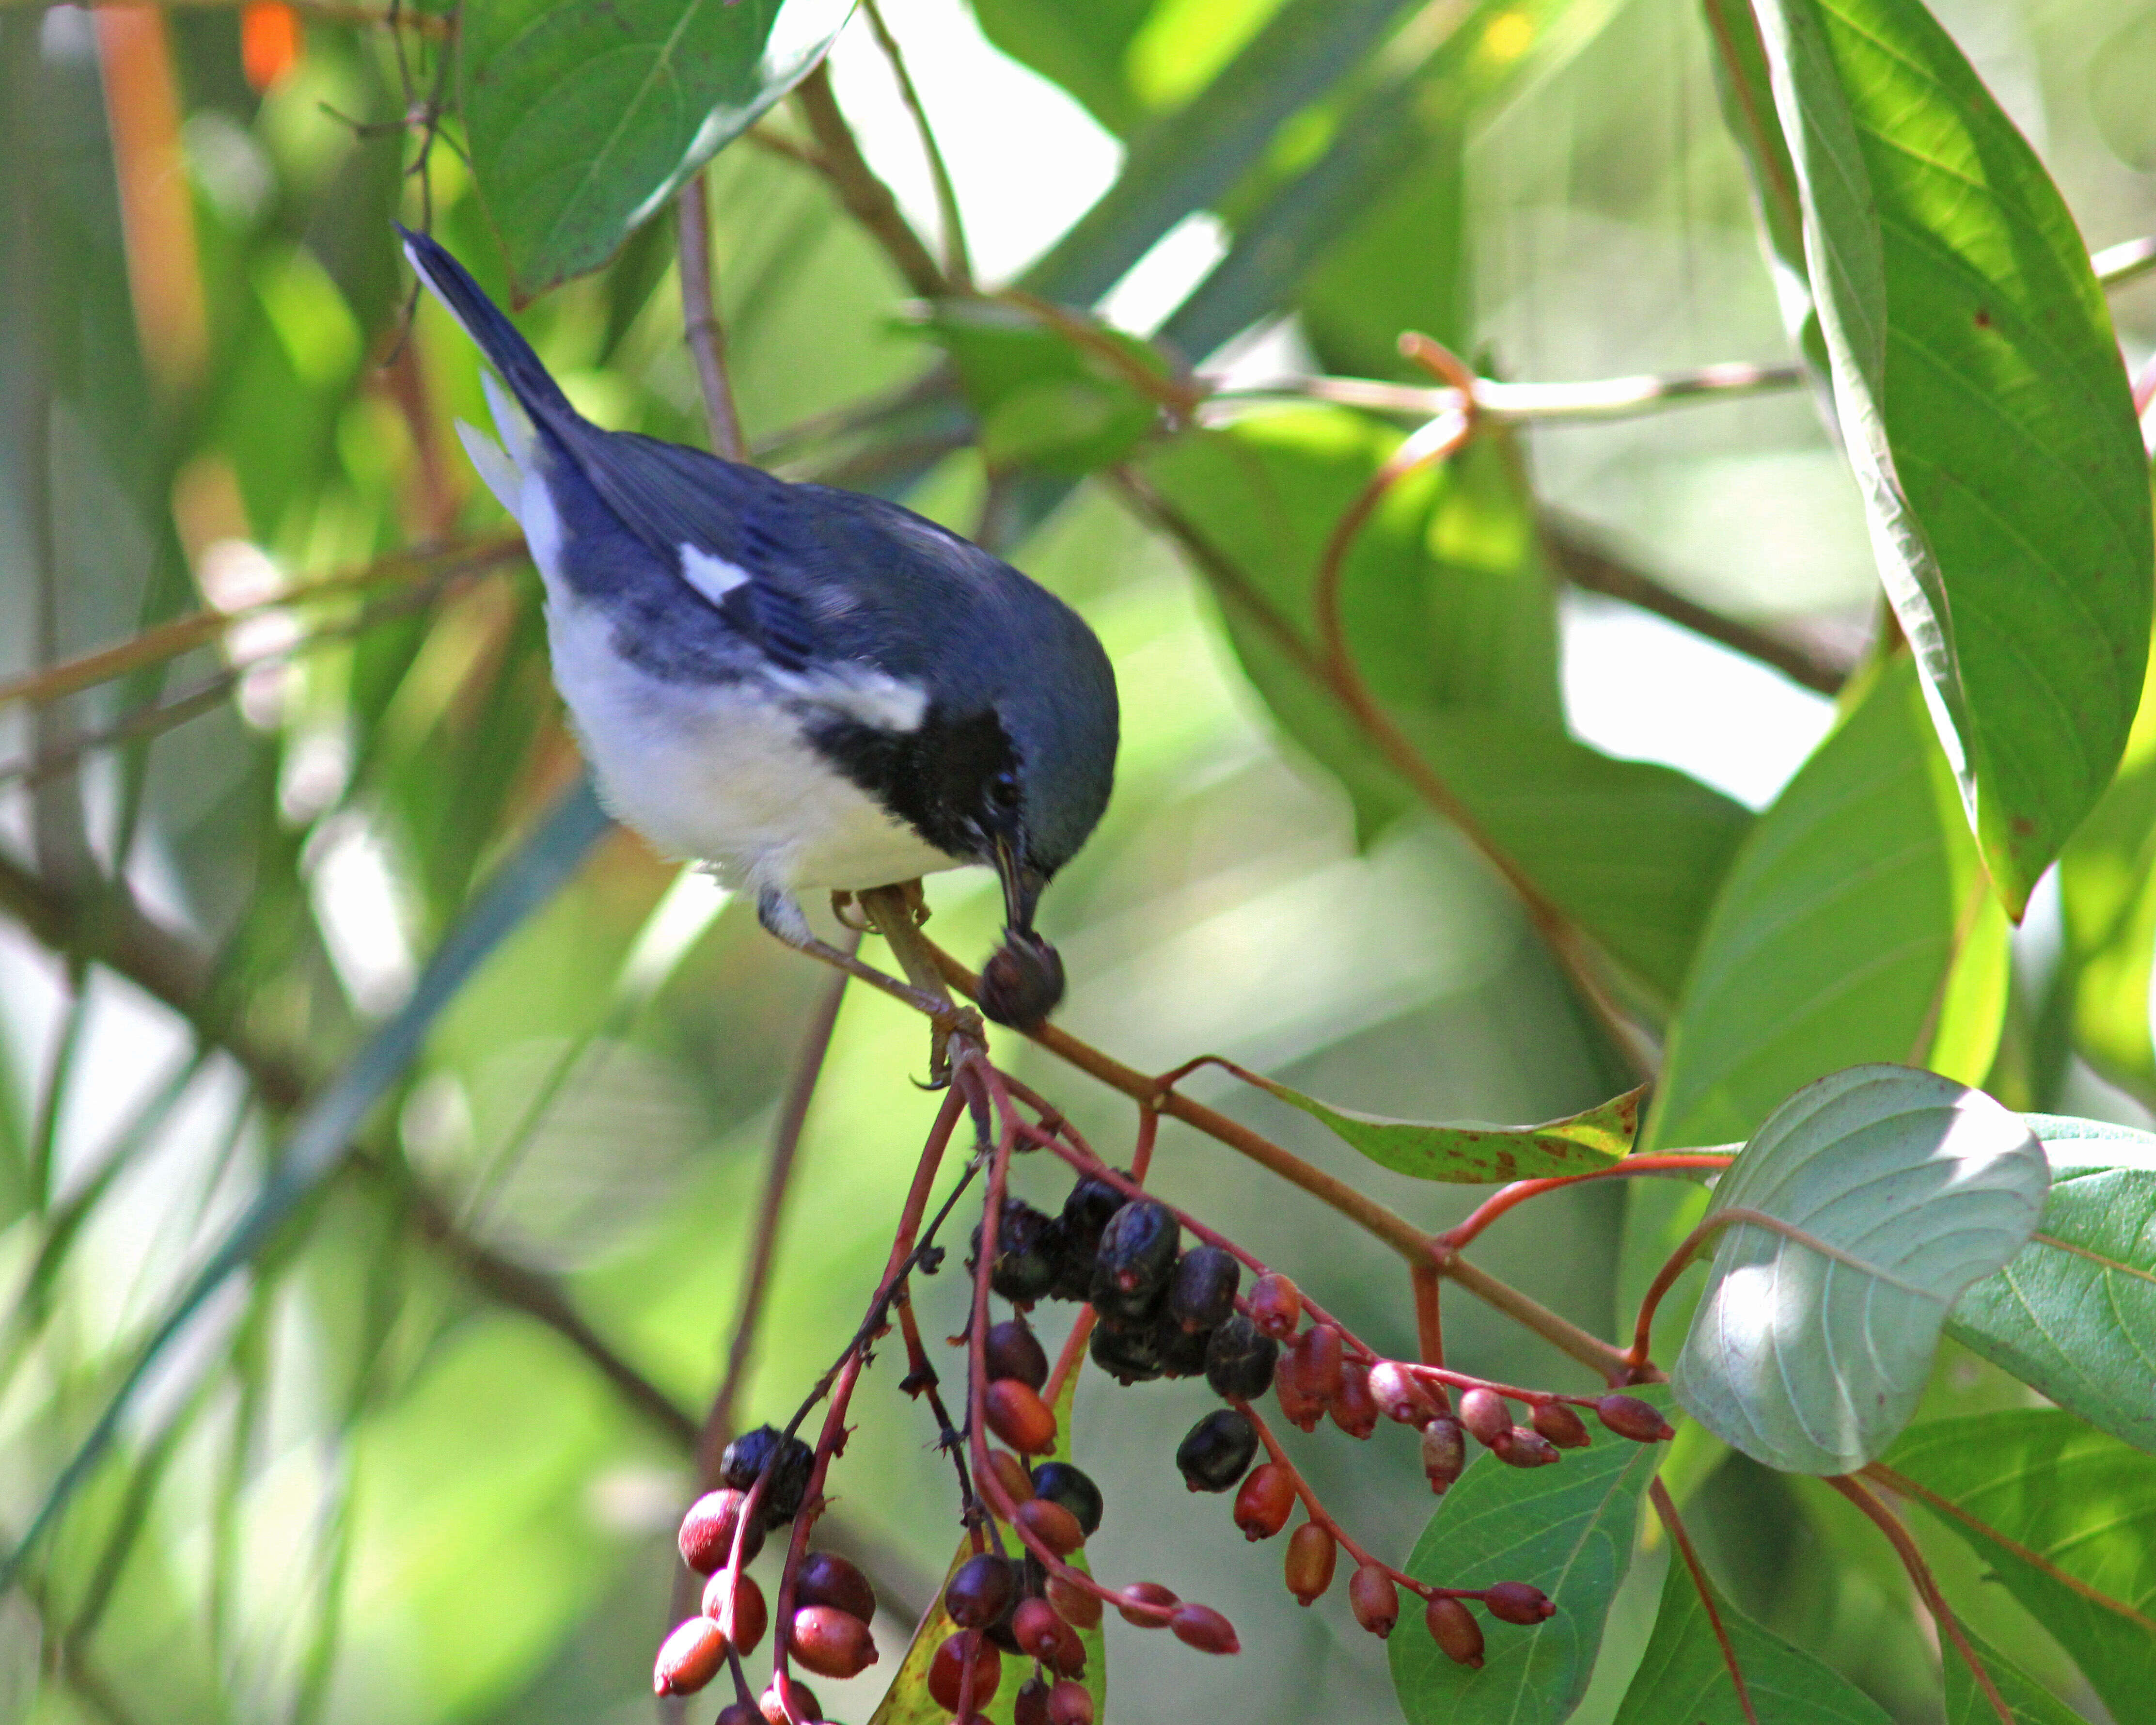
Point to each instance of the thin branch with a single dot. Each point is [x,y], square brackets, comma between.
[2116,265]
[700,320]
[785,1145]
[1591,566]
[1521,403]
[957,264]
[1508,1198]
[1928,1589]
[1666,1507]
[866,197]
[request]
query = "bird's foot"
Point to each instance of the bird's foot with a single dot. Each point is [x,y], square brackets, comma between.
[780,913]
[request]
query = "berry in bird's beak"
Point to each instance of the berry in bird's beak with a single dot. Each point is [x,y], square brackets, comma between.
[1022,982]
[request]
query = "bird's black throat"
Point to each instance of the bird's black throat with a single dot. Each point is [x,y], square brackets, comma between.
[935,778]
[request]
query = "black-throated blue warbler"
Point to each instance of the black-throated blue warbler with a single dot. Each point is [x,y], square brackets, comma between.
[804,687]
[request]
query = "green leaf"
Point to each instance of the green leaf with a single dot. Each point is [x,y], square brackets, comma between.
[1446,604]
[1854,926]
[1082,48]
[907,1702]
[1567,1530]
[2074,1311]
[1809,1358]
[1471,1153]
[1042,399]
[319,1138]
[2060,1514]
[1683,1677]
[2029,1701]
[1983,408]
[582,121]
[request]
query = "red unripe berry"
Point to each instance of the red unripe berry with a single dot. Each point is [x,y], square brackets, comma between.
[1152,1592]
[1075,1605]
[1037,1629]
[1312,1552]
[1266,1500]
[826,1578]
[1318,1358]
[1068,1659]
[979,1589]
[1354,1410]
[1523,1446]
[1013,1474]
[1202,1627]
[1070,1704]
[1013,1351]
[1374,1598]
[1030,1706]
[1453,1627]
[1518,1602]
[946,1671]
[751,1616]
[804,1702]
[1298,1404]
[1275,1306]
[1627,1416]
[1399,1394]
[688,1658]
[1561,1425]
[1486,1415]
[1053,1525]
[1443,1452]
[1017,1414]
[830,1642]
[706,1538]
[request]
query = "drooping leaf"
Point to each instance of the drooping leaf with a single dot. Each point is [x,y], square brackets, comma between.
[2074,1311]
[1811,1355]
[907,1702]
[1683,1677]
[1473,1153]
[1568,1530]
[582,121]
[2060,1513]
[1854,925]
[1984,407]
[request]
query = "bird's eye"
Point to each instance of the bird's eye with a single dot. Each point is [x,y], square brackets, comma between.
[1002,790]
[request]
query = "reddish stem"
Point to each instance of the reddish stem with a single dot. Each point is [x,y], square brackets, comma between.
[1666,1507]
[1430,1319]
[1520,1191]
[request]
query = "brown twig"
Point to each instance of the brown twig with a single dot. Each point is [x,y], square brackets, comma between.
[957,264]
[867,198]
[1666,1507]
[1591,566]
[700,319]
[1519,1192]
[1928,1589]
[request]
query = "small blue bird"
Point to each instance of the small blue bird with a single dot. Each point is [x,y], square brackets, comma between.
[805,687]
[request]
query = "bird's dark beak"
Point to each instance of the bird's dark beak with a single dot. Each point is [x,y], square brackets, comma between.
[1022,887]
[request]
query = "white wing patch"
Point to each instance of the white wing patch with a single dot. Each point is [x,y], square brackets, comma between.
[873,698]
[713,577]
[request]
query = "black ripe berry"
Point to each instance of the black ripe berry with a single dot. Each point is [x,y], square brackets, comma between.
[1077,1234]
[1136,1256]
[1060,1482]
[1021,982]
[1129,1356]
[744,1458]
[1202,1292]
[981,1590]
[1182,1351]
[1217,1451]
[1239,1361]
[1026,1255]
[1013,1351]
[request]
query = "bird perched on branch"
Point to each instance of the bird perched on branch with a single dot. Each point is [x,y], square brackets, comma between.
[804,687]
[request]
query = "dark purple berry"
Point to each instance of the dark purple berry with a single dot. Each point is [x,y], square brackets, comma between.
[1239,1360]
[1129,1356]
[1013,1351]
[1060,1482]
[1182,1351]
[1217,1451]
[744,1458]
[1136,1256]
[1022,982]
[1202,1292]
[980,1590]
[1025,1263]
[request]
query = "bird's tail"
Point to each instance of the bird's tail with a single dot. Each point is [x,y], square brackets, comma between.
[496,336]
